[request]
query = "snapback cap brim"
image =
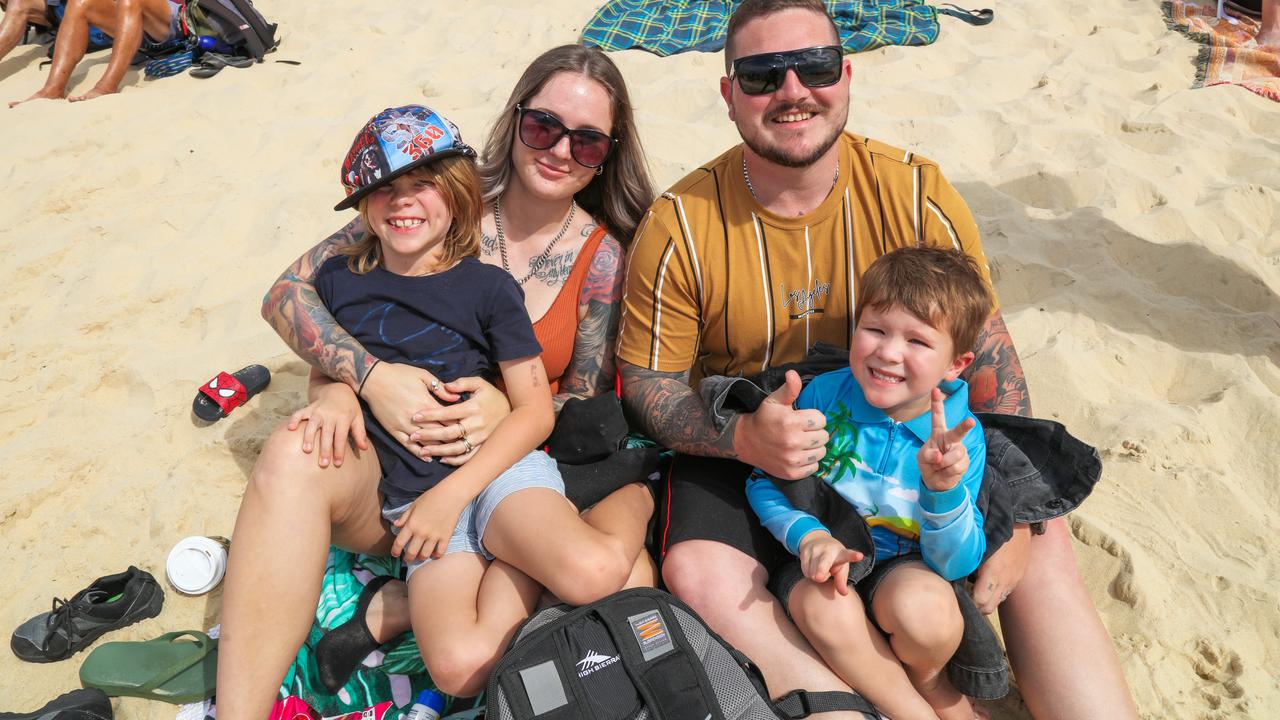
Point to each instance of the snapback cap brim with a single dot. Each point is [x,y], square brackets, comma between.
[356,196]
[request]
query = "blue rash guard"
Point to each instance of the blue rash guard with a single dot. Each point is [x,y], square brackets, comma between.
[873,467]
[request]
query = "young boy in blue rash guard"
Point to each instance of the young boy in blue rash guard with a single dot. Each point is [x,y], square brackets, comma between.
[905,451]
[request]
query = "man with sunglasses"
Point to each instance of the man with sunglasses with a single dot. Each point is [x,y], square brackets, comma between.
[745,264]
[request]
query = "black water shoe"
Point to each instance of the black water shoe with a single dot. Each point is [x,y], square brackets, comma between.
[90,704]
[111,602]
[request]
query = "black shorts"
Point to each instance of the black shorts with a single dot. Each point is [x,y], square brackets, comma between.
[977,668]
[706,499]
[788,574]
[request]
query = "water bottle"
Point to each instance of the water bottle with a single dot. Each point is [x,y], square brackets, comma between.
[426,707]
[209,43]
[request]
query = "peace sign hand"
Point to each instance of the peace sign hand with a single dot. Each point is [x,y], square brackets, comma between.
[944,460]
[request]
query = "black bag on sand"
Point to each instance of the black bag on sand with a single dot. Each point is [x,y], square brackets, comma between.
[235,22]
[640,654]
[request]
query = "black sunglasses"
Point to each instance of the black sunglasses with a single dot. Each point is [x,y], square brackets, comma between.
[541,130]
[764,73]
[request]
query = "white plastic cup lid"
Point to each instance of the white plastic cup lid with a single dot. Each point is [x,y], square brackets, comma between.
[196,565]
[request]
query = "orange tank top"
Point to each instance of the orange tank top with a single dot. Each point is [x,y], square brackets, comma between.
[558,328]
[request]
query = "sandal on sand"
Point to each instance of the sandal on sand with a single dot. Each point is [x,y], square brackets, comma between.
[226,392]
[211,63]
[167,66]
[973,17]
[160,669]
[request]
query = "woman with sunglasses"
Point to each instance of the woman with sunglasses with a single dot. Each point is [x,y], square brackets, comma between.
[564,184]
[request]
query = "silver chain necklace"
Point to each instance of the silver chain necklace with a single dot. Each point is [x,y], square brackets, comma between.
[747,176]
[536,263]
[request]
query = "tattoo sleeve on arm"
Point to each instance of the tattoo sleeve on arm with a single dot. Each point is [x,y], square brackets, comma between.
[591,368]
[671,413]
[996,382]
[294,311]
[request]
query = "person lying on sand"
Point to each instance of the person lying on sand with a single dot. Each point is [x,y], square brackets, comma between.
[132,24]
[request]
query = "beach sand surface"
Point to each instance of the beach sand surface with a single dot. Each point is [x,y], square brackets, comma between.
[1133,227]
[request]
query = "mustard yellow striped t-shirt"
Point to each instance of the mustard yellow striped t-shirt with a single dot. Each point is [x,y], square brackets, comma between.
[718,285]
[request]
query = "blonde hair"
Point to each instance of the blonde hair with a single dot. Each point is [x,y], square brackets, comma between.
[619,196]
[459,183]
[941,287]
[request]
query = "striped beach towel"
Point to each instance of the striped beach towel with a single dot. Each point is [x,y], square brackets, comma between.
[665,28]
[1228,52]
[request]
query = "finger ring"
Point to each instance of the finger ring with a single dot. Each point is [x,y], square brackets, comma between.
[462,432]
[435,385]
[466,444]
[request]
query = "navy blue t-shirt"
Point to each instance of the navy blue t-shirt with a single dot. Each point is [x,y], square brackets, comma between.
[457,323]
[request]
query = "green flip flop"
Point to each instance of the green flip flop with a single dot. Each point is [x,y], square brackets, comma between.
[160,669]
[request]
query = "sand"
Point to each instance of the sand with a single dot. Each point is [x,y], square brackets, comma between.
[1133,226]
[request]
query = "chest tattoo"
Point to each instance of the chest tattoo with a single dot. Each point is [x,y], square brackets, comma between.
[555,269]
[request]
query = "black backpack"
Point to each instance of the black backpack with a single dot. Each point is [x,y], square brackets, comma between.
[640,654]
[235,22]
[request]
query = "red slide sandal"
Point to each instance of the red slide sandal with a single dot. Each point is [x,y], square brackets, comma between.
[228,391]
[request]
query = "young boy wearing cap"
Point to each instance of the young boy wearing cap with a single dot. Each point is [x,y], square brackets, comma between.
[905,451]
[413,291]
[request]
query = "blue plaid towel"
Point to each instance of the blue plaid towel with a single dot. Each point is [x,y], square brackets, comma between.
[665,28]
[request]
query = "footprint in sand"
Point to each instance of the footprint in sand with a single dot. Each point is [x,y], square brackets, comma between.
[1220,668]
[1154,138]
[1123,587]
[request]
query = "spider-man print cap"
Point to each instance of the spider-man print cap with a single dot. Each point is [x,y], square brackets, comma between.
[394,142]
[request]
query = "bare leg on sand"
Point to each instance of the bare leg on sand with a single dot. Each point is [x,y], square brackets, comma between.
[125,21]
[17,14]
[269,597]
[1269,32]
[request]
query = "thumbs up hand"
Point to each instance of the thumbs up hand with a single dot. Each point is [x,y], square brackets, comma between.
[780,440]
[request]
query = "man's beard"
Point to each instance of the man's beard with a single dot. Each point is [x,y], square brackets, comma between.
[778,156]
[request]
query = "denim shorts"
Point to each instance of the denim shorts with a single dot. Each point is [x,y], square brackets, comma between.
[535,470]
